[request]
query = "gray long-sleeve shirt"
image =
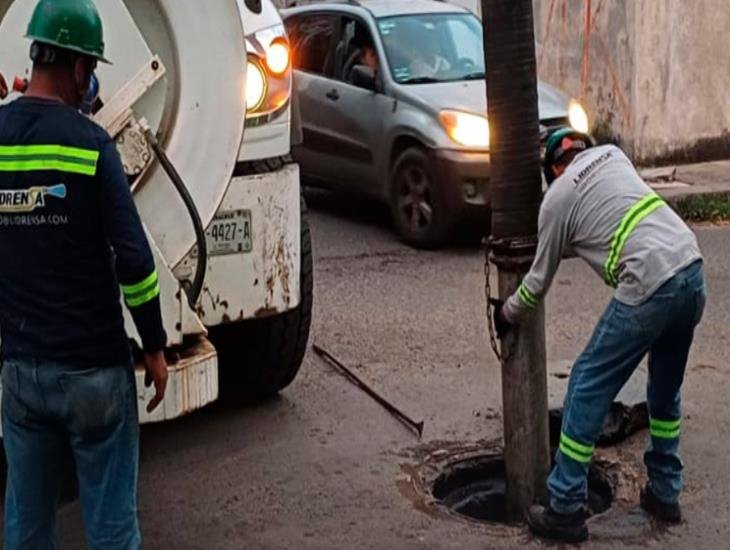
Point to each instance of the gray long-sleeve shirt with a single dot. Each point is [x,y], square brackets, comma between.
[601,210]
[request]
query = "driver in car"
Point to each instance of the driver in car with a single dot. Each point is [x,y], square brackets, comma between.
[368,57]
[365,56]
[427,62]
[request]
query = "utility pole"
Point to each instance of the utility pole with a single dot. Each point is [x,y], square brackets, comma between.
[516,183]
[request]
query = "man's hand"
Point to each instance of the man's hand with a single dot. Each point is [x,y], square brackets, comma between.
[501,324]
[155,367]
[3,87]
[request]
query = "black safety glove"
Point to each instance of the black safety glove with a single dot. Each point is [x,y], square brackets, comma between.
[501,324]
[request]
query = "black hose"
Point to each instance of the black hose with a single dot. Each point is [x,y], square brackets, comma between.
[197,287]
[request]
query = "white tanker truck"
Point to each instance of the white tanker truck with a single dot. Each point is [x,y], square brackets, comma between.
[186,80]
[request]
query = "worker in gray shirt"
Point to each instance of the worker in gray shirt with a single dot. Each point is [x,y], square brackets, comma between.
[598,208]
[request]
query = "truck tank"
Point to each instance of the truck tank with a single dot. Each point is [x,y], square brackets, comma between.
[196,109]
[179,71]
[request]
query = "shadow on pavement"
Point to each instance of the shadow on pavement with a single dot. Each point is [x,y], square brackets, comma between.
[354,207]
[363,210]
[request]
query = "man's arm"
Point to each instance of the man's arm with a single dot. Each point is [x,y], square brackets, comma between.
[3,87]
[135,266]
[552,241]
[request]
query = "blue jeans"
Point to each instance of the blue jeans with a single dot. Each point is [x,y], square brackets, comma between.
[663,327]
[48,408]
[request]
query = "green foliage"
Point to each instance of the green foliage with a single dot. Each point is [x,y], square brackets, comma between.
[704,208]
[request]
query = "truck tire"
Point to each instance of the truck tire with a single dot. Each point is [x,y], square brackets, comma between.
[263,166]
[260,357]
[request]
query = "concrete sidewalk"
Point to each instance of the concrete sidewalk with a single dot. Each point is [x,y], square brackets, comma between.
[676,183]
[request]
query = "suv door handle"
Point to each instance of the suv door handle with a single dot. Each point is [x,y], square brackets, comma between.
[333,94]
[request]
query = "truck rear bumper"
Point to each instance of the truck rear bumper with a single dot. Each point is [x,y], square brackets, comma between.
[192,383]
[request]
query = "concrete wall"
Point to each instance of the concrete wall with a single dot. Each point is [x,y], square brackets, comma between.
[654,73]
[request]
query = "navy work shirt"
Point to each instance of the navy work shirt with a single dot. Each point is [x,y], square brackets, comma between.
[70,235]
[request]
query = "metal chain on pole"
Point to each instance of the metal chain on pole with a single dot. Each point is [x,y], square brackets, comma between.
[490,309]
[526,248]
[493,340]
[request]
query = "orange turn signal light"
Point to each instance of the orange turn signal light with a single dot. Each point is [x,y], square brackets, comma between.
[278,56]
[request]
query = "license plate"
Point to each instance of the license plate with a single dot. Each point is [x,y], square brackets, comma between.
[229,233]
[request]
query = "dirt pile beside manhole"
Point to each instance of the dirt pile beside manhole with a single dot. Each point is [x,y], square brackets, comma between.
[622,422]
[476,489]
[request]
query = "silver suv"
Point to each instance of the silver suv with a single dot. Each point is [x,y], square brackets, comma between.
[392,99]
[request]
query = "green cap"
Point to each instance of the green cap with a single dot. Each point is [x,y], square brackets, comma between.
[560,142]
[69,24]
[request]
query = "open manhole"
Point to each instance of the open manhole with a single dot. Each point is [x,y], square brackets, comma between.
[476,489]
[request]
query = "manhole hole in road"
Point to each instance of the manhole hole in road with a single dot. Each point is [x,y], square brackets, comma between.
[475,488]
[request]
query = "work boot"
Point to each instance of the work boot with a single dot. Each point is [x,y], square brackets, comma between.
[658,509]
[546,523]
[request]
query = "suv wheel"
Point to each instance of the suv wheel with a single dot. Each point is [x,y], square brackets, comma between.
[417,202]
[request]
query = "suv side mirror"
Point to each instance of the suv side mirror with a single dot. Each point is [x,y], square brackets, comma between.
[363,76]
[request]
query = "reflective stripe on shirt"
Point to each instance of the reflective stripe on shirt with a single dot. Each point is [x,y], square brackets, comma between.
[631,219]
[33,158]
[140,293]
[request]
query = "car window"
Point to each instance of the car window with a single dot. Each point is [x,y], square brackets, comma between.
[311,38]
[425,48]
[464,49]
[355,46]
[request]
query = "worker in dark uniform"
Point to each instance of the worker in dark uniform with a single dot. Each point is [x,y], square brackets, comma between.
[70,236]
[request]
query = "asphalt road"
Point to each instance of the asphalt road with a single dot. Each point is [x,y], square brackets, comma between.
[323,466]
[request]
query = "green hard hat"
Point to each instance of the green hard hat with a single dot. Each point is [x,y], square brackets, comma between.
[69,24]
[560,142]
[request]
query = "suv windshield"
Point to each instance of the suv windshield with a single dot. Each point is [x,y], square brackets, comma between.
[428,48]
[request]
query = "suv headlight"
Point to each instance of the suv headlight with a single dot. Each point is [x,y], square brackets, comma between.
[268,74]
[466,129]
[578,117]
